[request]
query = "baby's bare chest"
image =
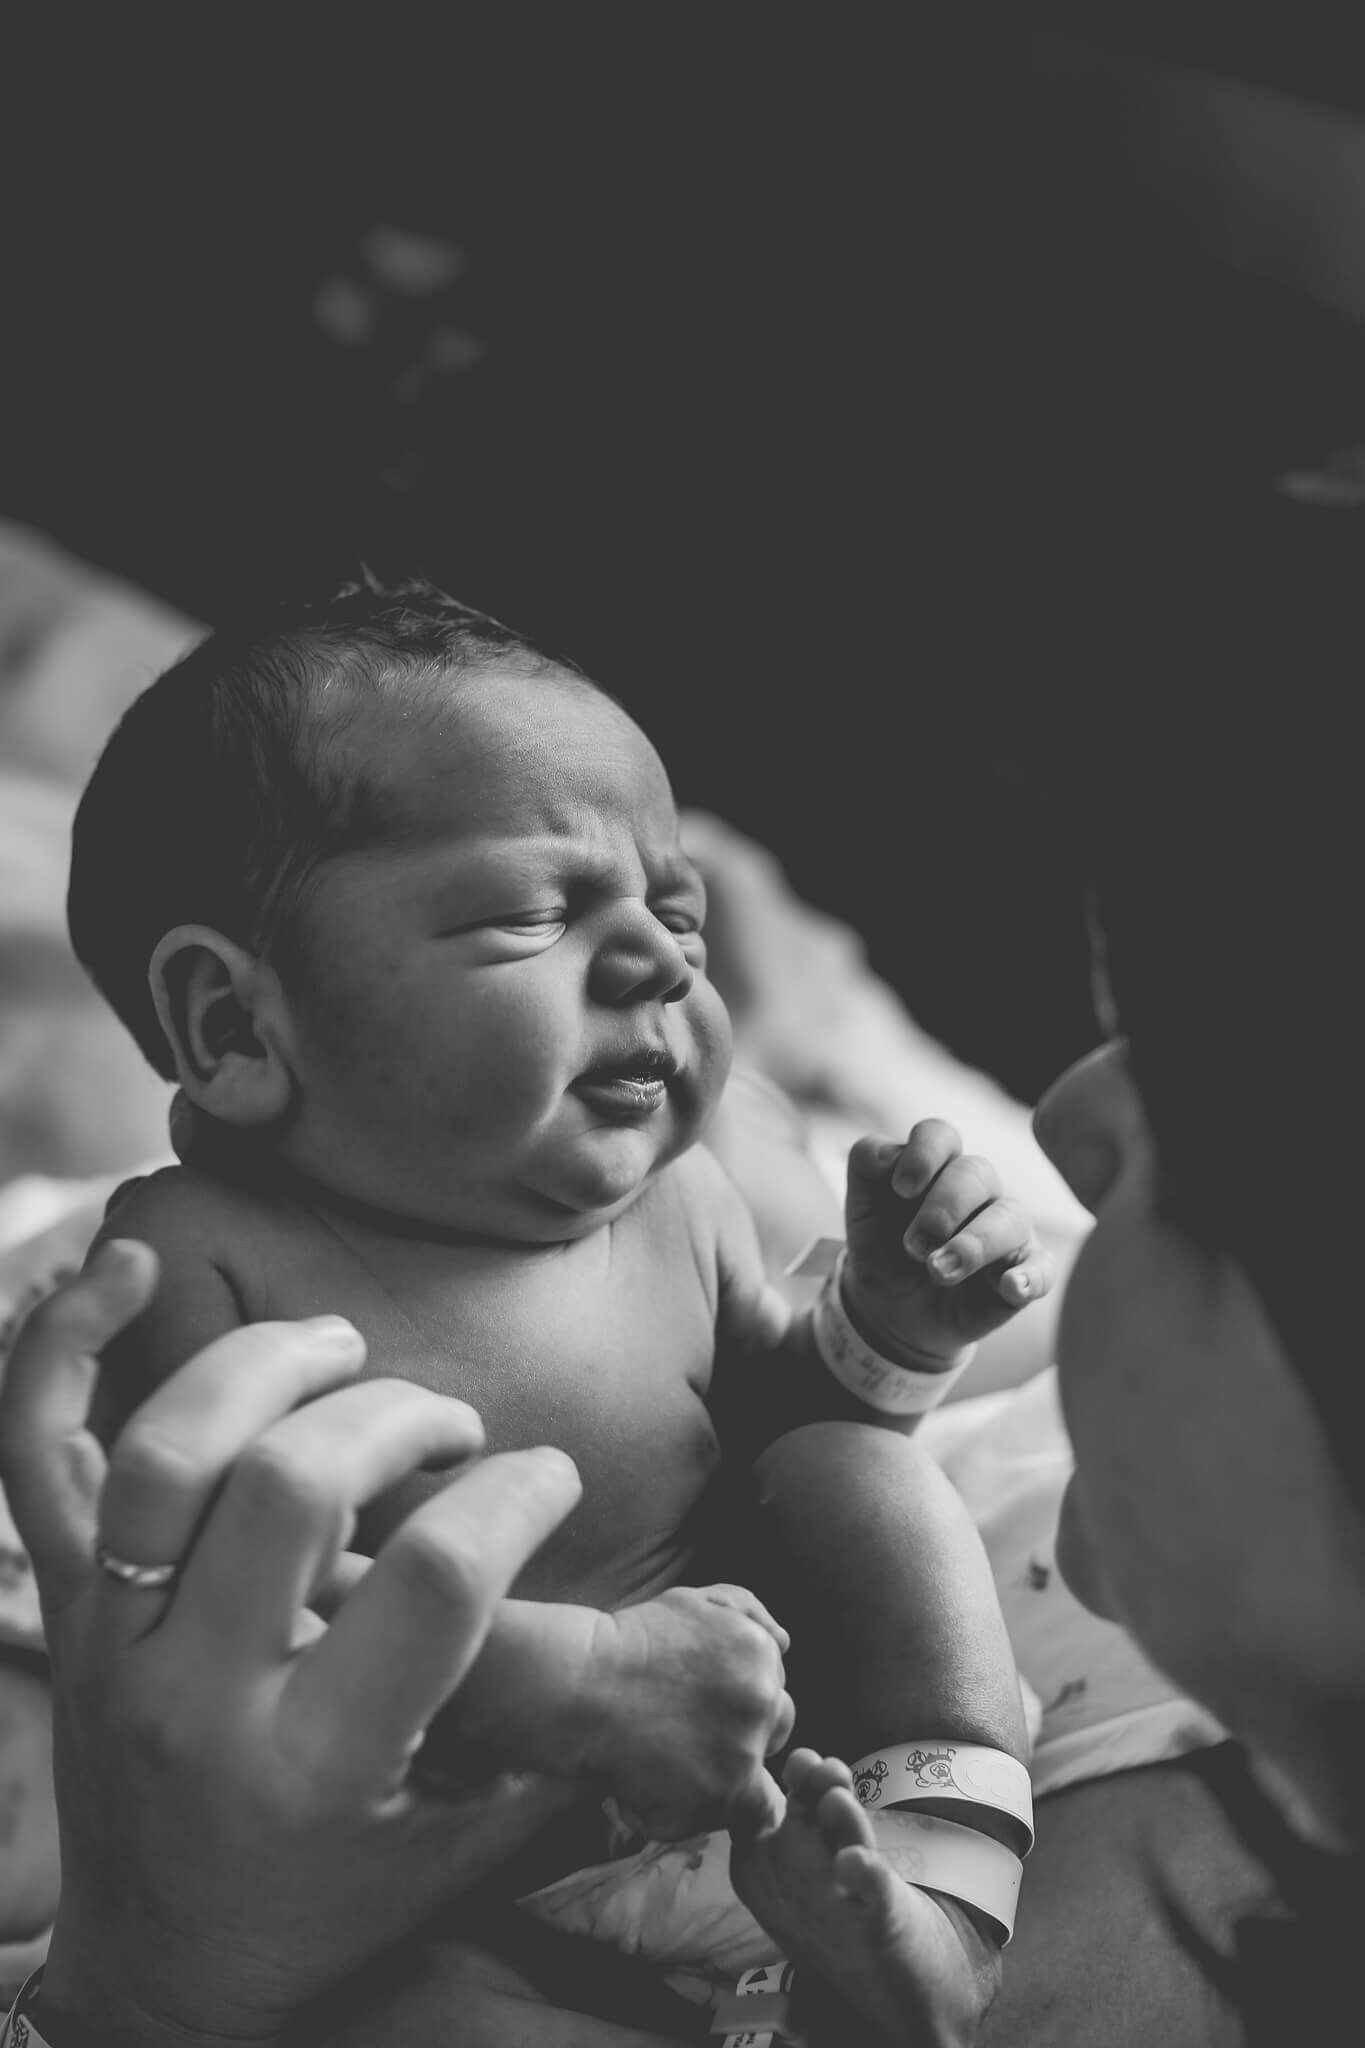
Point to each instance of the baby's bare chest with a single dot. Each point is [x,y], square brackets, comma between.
[602,1349]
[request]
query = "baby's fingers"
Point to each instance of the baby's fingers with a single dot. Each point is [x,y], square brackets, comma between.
[745,1602]
[931,1145]
[1027,1279]
[965,1188]
[880,1167]
[998,1239]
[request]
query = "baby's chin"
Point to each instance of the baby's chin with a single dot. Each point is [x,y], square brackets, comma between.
[592,1182]
[562,1188]
[554,1201]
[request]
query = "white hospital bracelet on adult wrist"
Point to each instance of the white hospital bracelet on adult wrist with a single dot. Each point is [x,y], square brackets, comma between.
[963,1862]
[908,1774]
[882,1383]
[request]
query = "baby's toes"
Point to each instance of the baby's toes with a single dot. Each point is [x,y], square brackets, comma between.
[809,1776]
[861,1874]
[843,1823]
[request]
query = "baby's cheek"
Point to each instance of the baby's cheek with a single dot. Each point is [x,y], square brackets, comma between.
[712,1036]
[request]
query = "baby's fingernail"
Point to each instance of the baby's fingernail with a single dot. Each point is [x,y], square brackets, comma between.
[946,1264]
[887,1154]
[1018,1284]
[917,1247]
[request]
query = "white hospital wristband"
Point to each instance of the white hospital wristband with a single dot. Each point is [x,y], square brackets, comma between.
[908,1774]
[963,1862]
[882,1383]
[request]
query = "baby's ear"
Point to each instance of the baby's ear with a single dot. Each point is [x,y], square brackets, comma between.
[223,1013]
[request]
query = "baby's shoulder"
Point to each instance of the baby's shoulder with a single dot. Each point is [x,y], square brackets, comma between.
[180,1210]
[212,1237]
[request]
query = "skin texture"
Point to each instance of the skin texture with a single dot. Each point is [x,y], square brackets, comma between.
[1156,1835]
[441,1010]
[465,1112]
[218,1712]
[846,1920]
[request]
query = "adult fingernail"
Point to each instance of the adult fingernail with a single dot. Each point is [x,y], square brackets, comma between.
[332,1330]
[113,1256]
[550,1454]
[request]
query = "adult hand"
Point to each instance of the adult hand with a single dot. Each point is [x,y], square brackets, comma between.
[239,1829]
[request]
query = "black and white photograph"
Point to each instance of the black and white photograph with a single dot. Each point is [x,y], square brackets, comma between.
[678,1053]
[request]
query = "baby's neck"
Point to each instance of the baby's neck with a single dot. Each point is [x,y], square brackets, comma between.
[393,1223]
[252,1160]
[255,1160]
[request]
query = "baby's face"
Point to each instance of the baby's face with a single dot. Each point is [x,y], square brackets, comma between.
[502,1025]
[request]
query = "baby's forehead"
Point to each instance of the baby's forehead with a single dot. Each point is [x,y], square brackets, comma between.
[468,754]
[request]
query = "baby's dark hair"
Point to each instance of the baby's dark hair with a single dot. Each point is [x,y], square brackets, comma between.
[225,786]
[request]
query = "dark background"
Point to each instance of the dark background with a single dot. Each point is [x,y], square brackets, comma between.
[816,383]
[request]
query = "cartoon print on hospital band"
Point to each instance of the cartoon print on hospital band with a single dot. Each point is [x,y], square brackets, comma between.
[928,1770]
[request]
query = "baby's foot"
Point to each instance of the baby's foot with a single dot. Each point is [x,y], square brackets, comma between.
[880,1963]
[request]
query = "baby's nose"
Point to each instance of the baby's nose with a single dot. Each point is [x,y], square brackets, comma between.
[641,961]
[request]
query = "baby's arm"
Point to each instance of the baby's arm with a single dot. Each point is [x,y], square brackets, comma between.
[197,1299]
[936,1256]
[863,1545]
[671,1705]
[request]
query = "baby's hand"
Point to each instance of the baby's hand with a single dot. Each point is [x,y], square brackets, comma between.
[938,1256]
[691,1700]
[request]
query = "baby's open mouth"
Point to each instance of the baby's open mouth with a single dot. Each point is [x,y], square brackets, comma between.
[633,1086]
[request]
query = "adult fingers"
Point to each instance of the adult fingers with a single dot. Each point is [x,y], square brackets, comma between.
[339,1583]
[783,1724]
[52,1466]
[171,1456]
[363,1694]
[288,1506]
